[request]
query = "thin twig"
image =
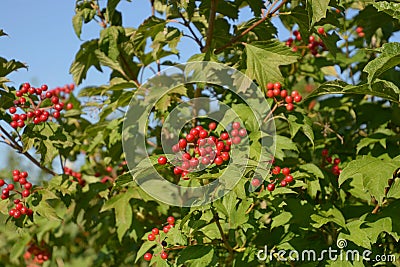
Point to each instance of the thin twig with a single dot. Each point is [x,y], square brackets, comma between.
[255,24]
[211,22]
[186,23]
[221,231]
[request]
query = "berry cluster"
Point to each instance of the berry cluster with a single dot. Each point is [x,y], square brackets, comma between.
[76,175]
[360,31]
[155,232]
[280,176]
[314,45]
[335,162]
[200,148]
[275,91]
[36,255]
[32,101]
[111,174]
[20,207]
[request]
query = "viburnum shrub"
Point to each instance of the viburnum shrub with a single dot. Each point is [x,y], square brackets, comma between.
[317,169]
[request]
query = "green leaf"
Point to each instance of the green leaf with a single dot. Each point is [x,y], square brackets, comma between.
[143,249]
[281,219]
[319,8]
[313,169]
[375,174]
[264,59]
[390,8]
[389,58]
[6,67]
[380,88]
[394,191]
[356,234]
[84,59]
[77,22]
[109,62]
[197,256]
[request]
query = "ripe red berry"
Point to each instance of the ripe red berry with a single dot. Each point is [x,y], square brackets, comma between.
[155,231]
[271,187]
[19,206]
[284,93]
[276,92]
[12,110]
[185,165]
[162,160]
[289,107]
[224,136]
[70,106]
[164,255]
[10,187]
[151,237]
[242,132]
[329,159]
[212,126]
[177,170]
[2,182]
[171,220]
[324,152]
[236,140]
[166,229]
[190,138]
[270,93]
[44,87]
[25,193]
[182,143]
[288,99]
[203,134]
[289,178]
[220,145]
[321,30]
[147,256]
[205,161]
[276,170]
[17,214]
[24,174]
[194,162]
[255,182]
[283,183]
[297,98]
[236,125]
[270,86]
[4,196]
[294,93]
[12,212]
[186,156]
[54,100]
[285,171]
[218,160]
[225,156]
[277,85]
[336,161]
[56,114]
[31,90]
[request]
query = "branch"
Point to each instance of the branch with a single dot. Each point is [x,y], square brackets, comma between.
[226,243]
[255,24]
[186,23]
[20,150]
[211,22]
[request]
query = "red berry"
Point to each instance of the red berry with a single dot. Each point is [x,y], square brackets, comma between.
[151,237]
[296,32]
[30,114]
[288,99]
[224,136]
[359,29]
[17,214]
[185,165]
[289,178]
[70,106]
[289,107]
[194,162]
[2,182]
[324,152]
[175,148]
[329,159]
[166,229]
[190,138]
[25,193]
[56,114]
[242,132]
[155,231]
[171,220]
[4,196]
[297,98]
[15,117]
[283,183]
[336,161]
[162,160]
[225,156]
[321,30]
[19,206]
[12,212]
[276,170]
[194,132]
[271,187]
[284,93]
[311,39]
[44,87]
[294,93]
[236,125]
[212,126]
[147,256]
[12,110]
[26,85]
[270,93]
[270,86]
[182,143]
[285,171]
[186,156]
[16,201]
[24,174]
[31,90]
[203,134]
[48,94]
[54,100]
[164,255]
[255,182]
[276,92]
[277,85]
[205,161]
[218,160]
[220,145]
[177,170]
[10,187]
[236,140]
[20,124]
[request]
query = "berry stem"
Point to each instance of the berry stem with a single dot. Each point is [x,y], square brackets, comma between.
[226,243]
